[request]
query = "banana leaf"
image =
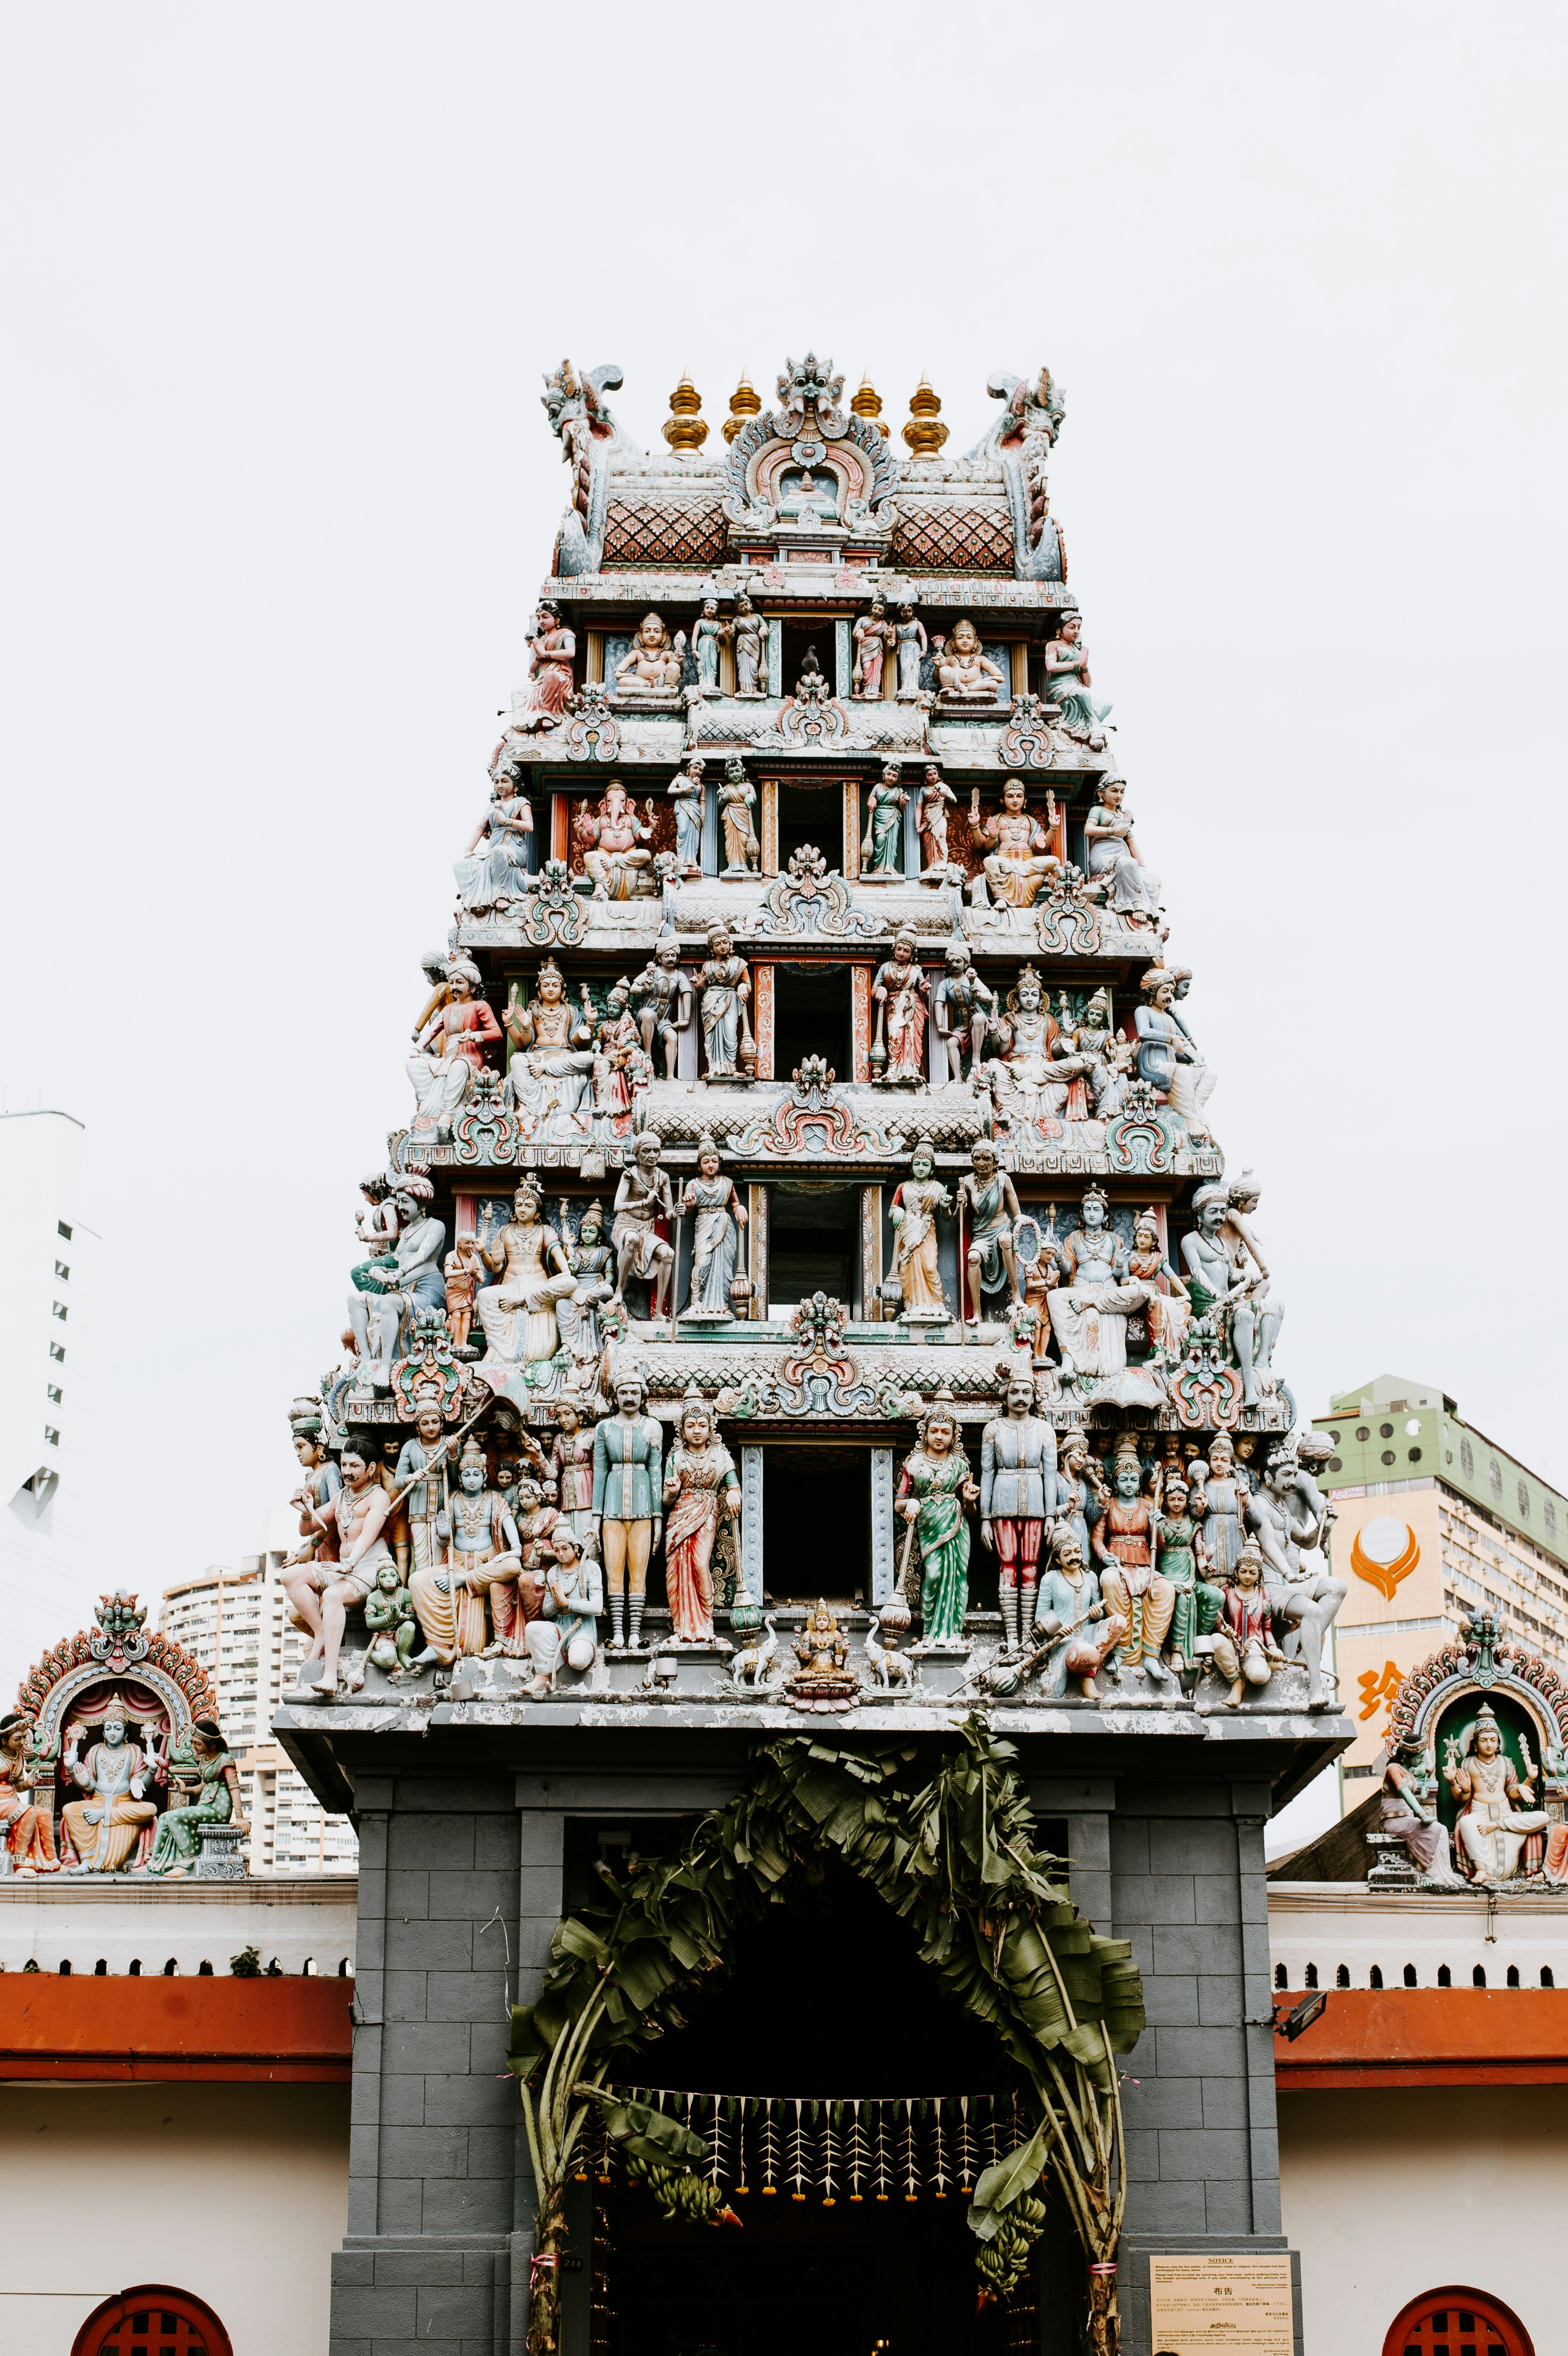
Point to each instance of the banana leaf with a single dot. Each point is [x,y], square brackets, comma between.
[1000,2186]
[647,2133]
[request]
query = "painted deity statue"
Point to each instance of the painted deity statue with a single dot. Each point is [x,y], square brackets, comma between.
[874,637]
[1164,1311]
[1303,1596]
[1017,1493]
[685,795]
[700,1473]
[592,1261]
[1407,1809]
[323,1595]
[962,1006]
[1240,1237]
[415,1279]
[1165,1050]
[1020,858]
[737,799]
[498,874]
[1091,1306]
[885,806]
[1080,1498]
[717,1217]
[613,842]
[462,1270]
[725,1007]
[551,649]
[934,1489]
[1111,858]
[1123,1548]
[919,1201]
[572,1603]
[751,648]
[1107,1057]
[965,669]
[1216,1288]
[643,1197]
[481,1556]
[654,662]
[26,1829]
[551,1060]
[628,1499]
[571,1470]
[1067,685]
[898,992]
[321,1482]
[450,1050]
[391,1623]
[621,1069]
[1179,1559]
[708,634]
[661,997]
[176,1845]
[1246,1653]
[936,798]
[422,1479]
[1072,1624]
[519,1314]
[908,637]
[1037,1077]
[993,1215]
[1497,1814]
[104,1828]
[1220,1501]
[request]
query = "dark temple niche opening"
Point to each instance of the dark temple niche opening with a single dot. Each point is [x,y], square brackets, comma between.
[813,1016]
[813,814]
[816,1522]
[813,1246]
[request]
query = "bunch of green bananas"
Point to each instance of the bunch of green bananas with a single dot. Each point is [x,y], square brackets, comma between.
[1001,2261]
[683,2197]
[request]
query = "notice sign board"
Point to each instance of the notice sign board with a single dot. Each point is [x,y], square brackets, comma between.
[1242,2305]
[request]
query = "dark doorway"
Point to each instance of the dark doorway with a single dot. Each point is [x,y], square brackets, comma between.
[814,1244]
[813,814]
[799,640]
[812,1016]
[816,1522]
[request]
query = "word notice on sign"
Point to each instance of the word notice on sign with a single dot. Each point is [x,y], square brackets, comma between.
[1239,2304]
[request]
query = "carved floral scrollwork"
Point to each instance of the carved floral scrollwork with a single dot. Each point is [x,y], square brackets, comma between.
[1066,919]
[1205,1392]
[1027,739]
[485,1129]
[592,733]
[813,899]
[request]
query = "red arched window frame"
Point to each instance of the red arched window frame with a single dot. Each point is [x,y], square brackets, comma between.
[175,2324]
[1464,2321]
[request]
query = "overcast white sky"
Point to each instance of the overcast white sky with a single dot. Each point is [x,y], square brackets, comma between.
[280,285]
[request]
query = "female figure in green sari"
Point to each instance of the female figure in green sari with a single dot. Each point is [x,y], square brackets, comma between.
[934,1487]
[1180,1556]
[178,1841]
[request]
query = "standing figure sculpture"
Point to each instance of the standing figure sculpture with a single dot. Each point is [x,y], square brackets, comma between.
[1217,1288]
[737,799]
[641,1198]
[936,798]
[686,793]
[27,1829]
[965,669]
[898,992]
[549,691]
[571,1470]
[498,875]
[918,1203]
[593,1263]
[518,1313]
[628,1476]
[421,1477]
[699,1470]
[993,1215]
[725,1009]
[483,1554]
[1219,1502]
[873,636]
[1022,857]
[655,661]
[415,1280]
[614,841]
[1240,1238]
[909,636]
[1017,1492]
[462,1269]
[1123,1548]
[751,648]
[1179,1560]
[176,1845]
[661,995]
[1080,1495]
[885,804]
[322,1482]
[1244,1649]
[621,1069]
[717,1217]
[104,1828]
[551,1058]
[962,1006]
[934,1488]
[1067,685]
[708,634]
[449,1051]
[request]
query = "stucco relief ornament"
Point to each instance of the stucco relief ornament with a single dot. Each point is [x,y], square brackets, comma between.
[590,732]
[813,899]
[552,914]
[820,1377]
[582,420]
[1205,1392]
[1141,1142]
[813,714]
[1067,921]
[1028,741]
[485,1129]
[814,1118]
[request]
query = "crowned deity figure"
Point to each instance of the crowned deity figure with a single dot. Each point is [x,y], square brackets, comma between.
[918,1202]
[717,1217]
[751,634]
[449,1051]
[725,1008]
[873,636]
[1219,1491]
[898,992]
[1038,1075]
[965,669]
[1098,1293]
[628,1499]
[993,1215]
[1303,1596]
[737,799]
[1240,1237]
[686,795]
[1018,1495]
[571,1471]
[643,1198]
[552,1059]
[104,1828]
[420,1477]
[961,1006]
[700,1473]
[592,1261]
[176,1845]
[1218,1288]
[613,840]
[885,806]
[935,1487]
[481,1556]
[908,637]
[25,1827]
[708,634]
[621,1068]
[1067,685]
[518,1313]
[498,874]
[1407,1809]
[654,662]
[392,1290]
[1108,1057]
[1246,1653]
[1164,1312]
[549,691]
[936,798]
[661,996]
[1022,857]
[1497,1813]
[1123,1548]
[1180,1560]
[1112,860]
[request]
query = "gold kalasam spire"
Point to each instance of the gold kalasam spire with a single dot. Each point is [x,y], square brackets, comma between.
[867,403]
[743,404]
[923,435]
[684,428]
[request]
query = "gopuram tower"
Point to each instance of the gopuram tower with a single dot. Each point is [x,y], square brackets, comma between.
[817,1591]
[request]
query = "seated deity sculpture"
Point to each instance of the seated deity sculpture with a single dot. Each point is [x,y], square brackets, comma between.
[551,1065]
[965,669]
[104,1828]
[1036,1077]
[613,840]
[1495,1817]
[1021,857]
[654,665]
[1111,860]
[1067,685]
[1097,1294]
[518,1313]
[449,1051]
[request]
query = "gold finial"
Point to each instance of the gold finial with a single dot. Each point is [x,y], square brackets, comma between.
[684,428]
[743,403]
[867,403]
[923,435]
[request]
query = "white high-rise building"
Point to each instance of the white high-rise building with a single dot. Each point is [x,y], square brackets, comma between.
[237,1624]
[45,1296]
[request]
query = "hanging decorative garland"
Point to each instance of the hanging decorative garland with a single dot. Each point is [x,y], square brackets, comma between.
[954,1853]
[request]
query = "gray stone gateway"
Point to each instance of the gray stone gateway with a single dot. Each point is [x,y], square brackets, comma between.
[806,1329]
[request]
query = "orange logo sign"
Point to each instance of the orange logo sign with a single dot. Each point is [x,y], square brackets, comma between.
[1384,1552]
[1376,1690]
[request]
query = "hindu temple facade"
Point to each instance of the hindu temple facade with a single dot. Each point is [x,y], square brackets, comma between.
[807,1312]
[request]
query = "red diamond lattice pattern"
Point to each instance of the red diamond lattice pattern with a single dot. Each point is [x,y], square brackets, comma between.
[940,538]
[664,531]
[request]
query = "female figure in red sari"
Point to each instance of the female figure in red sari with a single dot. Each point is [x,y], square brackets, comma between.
[450,1050]
[550,674]
[27,1831]
[700,1467]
